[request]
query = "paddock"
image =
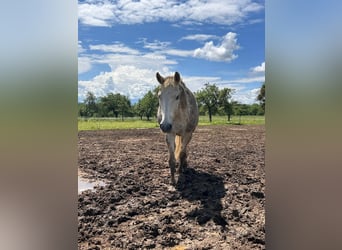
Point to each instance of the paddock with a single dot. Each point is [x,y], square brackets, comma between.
[219,202]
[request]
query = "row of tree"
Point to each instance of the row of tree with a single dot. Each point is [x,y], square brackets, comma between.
[111,105]
[211,100]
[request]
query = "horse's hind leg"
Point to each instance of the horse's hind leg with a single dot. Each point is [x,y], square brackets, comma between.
[170,140]
[183,156]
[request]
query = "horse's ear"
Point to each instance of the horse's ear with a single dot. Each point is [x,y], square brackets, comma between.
[177,77]
[160,78]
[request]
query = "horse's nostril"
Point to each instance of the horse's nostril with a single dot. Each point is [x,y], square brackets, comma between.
[165,127]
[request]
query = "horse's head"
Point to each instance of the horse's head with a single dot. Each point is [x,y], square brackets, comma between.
[171,96]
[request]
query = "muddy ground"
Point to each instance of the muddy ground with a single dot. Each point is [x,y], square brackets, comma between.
[218,202]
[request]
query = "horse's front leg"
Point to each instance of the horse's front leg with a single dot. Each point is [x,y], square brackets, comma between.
[170,140]
[182,157]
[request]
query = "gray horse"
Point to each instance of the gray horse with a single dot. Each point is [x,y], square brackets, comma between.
[178,118]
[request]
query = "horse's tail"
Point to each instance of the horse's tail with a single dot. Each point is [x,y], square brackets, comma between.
[178,142]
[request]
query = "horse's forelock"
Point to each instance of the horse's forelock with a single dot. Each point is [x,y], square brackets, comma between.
[169,81]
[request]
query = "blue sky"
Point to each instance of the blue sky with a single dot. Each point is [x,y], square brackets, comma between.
[123,43]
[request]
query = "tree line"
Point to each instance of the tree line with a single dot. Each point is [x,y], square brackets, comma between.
[211,101]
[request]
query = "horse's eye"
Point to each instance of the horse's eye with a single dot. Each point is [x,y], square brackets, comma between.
[177,97]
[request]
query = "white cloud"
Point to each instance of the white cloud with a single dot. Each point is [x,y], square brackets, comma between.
[96,14]
[179,52]
[247,80]
[105,13]
[114,48]
[199,37]
[164,48]
[135,81]
[115,55]
[155,45]
[133,72]
[259,69]
[80,48]
[84,64]
[241,93]
[151,61]
[246,96]
[196,83]
[220,52]
[127,80]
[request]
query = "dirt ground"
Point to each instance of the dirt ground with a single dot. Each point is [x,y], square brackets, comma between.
[218,202]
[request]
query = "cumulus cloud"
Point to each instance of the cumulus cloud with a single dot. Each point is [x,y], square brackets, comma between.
[224,51]
[105,13]
[134,82]
[126,79]
[133,72]
[220,52]
[246,96]
[118,54]
[259,69]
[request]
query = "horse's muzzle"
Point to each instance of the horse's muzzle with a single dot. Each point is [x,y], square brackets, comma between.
[166,127]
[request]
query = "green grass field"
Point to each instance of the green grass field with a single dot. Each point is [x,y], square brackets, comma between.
[130,123]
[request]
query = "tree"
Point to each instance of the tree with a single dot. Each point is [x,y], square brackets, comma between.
[241,109]
[138,109]
[115,105]
[81,109]
[255,109]
[90,104]
[262,97]
[123,105]
[209,97]
[224,101]
[148,104]
[109,104]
